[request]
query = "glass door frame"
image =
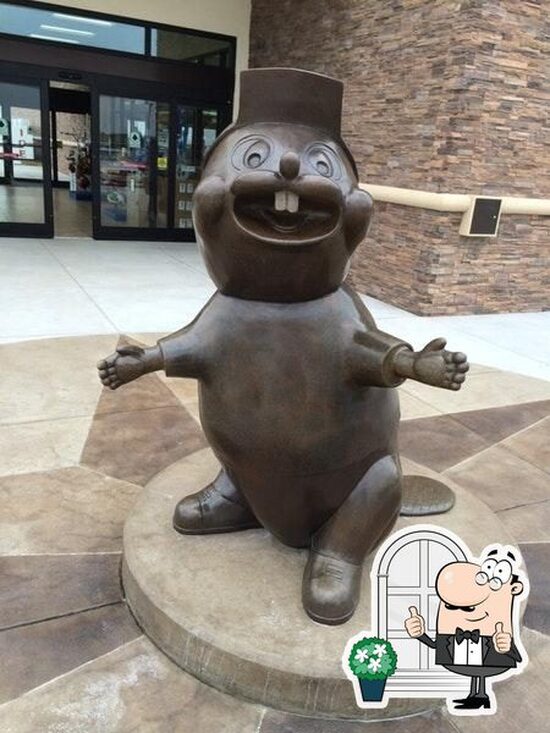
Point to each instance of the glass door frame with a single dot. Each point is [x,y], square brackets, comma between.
[149,93]
[29,229]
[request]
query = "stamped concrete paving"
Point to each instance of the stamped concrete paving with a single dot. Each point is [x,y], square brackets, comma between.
[73,660]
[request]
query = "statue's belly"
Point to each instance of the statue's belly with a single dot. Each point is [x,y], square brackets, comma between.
[296,431]
[297,452]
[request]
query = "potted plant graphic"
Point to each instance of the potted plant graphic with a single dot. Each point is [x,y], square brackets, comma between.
[372,660]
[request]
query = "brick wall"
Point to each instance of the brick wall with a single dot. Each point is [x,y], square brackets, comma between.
[440,95]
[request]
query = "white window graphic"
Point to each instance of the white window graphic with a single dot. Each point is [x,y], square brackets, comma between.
[405,577]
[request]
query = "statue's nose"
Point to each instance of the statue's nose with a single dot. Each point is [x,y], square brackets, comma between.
[289,165]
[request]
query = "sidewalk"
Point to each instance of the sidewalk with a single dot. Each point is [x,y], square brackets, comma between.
[74,287]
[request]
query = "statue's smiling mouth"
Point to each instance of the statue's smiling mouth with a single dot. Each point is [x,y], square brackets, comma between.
[284,215]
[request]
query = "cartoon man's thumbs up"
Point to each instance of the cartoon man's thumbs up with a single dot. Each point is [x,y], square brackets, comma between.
[502,640]
[415,625]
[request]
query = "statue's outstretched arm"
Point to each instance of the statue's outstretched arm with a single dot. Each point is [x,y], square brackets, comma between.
[434,365]
[177,354]
[386,361]
[128,363]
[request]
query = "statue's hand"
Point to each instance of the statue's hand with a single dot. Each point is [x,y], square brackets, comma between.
[125,365]
[441,368]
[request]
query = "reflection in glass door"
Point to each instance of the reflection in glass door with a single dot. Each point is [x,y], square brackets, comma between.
[187,171]
[150,154]
[163,156]
[196,130]
[25,192]
[130,163]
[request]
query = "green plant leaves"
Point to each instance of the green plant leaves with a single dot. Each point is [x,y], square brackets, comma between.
[372,658]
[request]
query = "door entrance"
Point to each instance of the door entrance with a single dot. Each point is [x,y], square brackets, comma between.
[25,185]
[148,154]
[155,96]
[79,159]
[70,124]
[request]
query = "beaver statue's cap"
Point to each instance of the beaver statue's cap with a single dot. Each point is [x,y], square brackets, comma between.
[291,95]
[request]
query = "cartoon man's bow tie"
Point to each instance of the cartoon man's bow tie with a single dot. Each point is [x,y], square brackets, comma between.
[460,635]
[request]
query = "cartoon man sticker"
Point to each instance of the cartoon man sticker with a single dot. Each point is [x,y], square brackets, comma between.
[476,622]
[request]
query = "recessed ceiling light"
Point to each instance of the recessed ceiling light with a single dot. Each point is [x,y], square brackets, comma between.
[61,29]
[53,38]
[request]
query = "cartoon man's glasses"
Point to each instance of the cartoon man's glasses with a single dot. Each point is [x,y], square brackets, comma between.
[494,573]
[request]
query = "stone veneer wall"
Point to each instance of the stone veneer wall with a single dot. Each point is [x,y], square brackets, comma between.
[441,95]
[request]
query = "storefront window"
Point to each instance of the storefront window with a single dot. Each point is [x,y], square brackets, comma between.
[75,29]
[189,47]
[63,26]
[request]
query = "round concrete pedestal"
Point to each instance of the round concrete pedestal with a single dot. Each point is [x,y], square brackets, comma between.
[227,608]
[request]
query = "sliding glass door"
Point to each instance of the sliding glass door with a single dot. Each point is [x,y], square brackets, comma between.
[148,157]
[133,154]
[196,130]
[25,186]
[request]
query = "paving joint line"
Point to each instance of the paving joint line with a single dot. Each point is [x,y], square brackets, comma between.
[88,415]
[521,506]
[61,615]
[82,288]
[501,441]
[27,693]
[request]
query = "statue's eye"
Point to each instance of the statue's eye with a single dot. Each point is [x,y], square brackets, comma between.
[321,162]
[254,160]
[256,154]
[323,167]
[324,161]
[251,151]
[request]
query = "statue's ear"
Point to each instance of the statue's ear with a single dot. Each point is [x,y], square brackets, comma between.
[358,212]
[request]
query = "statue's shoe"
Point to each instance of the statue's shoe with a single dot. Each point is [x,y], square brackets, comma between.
[330,589]
[209,512]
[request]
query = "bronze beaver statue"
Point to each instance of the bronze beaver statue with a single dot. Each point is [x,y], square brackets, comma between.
[294,377]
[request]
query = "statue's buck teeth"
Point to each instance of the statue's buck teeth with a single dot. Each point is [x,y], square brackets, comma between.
[292,202]
[286,201]
[280,200]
